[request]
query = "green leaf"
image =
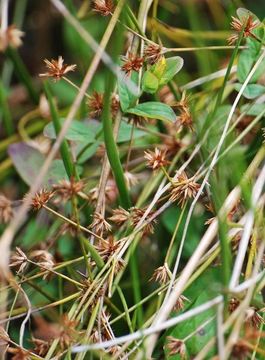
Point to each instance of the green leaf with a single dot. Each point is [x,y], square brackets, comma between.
[173,66]
[28,162]
[150,82]
[154,110]
[78,131]
[125,132]
[128,93]
[252,110]
[252,90]
[243,14]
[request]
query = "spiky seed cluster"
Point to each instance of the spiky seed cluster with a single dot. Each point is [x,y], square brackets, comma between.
[156,159]
[152,53]
[176,346]
[130,178]
[240,350]
[185,116]
[43,258]
[247,23]
[41,198]
[68,332]
[57,69]
[136,216]
[180,303]
[120,216]
[96,101]
[19,259]
[106,248]
[103,7]
[41,347]
[183,188]
[66,190]
[6,212]
[99,224]
[10,37]
[19,353]
[132,63]
[161,275]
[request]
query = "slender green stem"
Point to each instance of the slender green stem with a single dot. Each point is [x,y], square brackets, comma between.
[7,117]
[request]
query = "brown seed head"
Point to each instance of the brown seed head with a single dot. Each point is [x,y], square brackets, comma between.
[19,259]
[120,216]
[10,37]
[57,69]
[161,275]
[176,346]
[183,189]
[65,190]
[41,198]
[18,353]
[156,159]
[108,247]
[68,333]
[99,224]
[240,350]
[136,216]
[132,63]
[130,178]
[6,212]
[41,347]
[247,23]
[43,258]
[152,53]
[95,104]
[180,303]
[103,7]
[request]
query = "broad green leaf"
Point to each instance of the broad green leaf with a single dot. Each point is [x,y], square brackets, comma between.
[243,14]
[78,131]
[150,82]
[28,162]
[154,110]
[253,109]
[159,68]
[125,132]
[127,88]
[173,66]
[252,90]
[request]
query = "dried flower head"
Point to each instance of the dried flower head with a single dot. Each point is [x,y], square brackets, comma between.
[10,37]
[111,192]
[132,63]
[185,116]
[19,353]
[183,189]
[176,346]
[99,224]
[68,332]
[103,7]
[233,304]
[136,216]
[253,318]
[180,303]
[161,275]
[131,179]
[19,259]
[66,189]
[57,69]
[108,247]
[120,216]
[4,337]
[41,347]
[152,53]
[247,23]
[172,145]
[6,212]
[43,258]
[41,198]
[96,102]
[156,159]
[240,350]
[67,228]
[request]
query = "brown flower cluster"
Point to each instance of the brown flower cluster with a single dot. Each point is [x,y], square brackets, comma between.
[106,248]
[99,225]
[41,198]
[185,116]
[176,346]
[247,24]
[152,53]
[161,275]
[10,37]
[6,212]
[156,159]
[183,188]
[66,189]
[136,216]
[96,102]
[103,7]
[132,63]
[57,69]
